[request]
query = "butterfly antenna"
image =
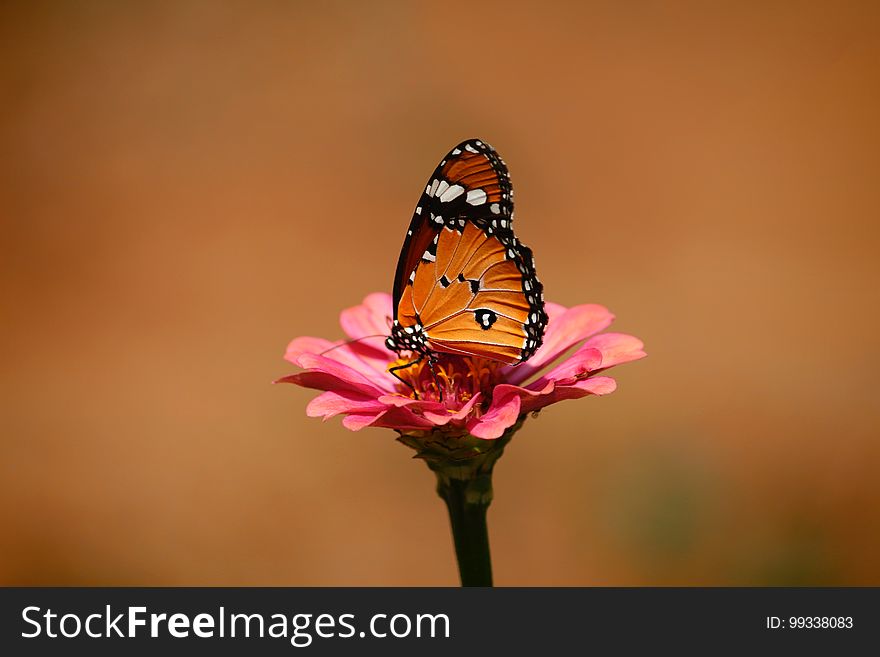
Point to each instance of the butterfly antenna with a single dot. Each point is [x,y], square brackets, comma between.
[351,341]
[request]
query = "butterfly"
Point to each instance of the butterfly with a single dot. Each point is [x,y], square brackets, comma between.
[464,283]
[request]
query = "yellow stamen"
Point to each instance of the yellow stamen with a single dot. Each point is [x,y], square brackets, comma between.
[459,377]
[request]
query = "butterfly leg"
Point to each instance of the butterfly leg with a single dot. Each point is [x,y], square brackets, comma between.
[431,362]
[393,371]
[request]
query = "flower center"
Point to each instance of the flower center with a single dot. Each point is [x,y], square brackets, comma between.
[454,379]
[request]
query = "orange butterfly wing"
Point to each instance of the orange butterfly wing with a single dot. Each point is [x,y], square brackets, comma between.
[464,282]
[470,299]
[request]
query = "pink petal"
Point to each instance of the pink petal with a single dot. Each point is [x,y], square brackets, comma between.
[320,380]
[532,399]
[598,385]
[446,416]
[584,360]
[306,345]
[375,357]
[502,414]
[379,304]
[565,329]
[616,348]
[429,410]
[400,419]
[417,407]
[369,318]
[324,373]
[332,402]
[344,372]
[436,412]
[367,361]
[400,401]
[357,421]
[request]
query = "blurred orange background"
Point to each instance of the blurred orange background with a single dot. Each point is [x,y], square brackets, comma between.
[185,187]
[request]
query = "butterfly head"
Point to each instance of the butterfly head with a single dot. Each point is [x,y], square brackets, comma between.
[408,338]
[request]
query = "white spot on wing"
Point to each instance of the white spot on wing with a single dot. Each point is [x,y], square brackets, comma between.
[495,208]
[452,193]
[470,148]
[476,197]
[433,187]
[442,187]
[419,210]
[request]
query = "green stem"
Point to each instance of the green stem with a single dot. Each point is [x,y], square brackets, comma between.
[467,505]
[463,465]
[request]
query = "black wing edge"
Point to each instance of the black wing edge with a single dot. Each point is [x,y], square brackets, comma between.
[421,230]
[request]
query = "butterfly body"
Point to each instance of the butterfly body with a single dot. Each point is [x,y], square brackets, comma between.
[464,283]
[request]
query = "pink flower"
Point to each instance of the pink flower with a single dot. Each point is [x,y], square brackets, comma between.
[479,397]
